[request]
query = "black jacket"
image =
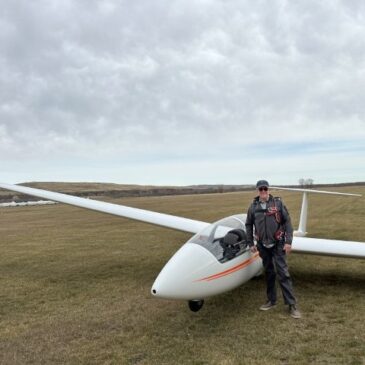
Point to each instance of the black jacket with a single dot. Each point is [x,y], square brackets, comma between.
[265,221]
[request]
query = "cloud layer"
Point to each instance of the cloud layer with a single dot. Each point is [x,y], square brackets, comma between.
[182,92]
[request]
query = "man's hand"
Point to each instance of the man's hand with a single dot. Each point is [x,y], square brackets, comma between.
[253,249]
[287,248]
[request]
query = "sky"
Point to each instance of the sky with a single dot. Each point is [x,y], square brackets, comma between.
[182,92]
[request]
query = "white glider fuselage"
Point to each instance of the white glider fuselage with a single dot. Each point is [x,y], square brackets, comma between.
[194,273]
[200,269]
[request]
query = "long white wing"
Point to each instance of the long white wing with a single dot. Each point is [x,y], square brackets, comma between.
[300,244]
[165,220]
[325,247]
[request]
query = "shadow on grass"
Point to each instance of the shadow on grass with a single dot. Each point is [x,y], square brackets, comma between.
[329,278]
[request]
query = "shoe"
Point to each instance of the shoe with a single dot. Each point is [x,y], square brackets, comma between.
[267,306]
[294,312]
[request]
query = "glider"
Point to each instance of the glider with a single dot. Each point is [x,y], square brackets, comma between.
[217,258]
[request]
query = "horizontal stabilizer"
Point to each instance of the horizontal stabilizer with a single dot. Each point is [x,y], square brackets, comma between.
[313,191]
[301,232]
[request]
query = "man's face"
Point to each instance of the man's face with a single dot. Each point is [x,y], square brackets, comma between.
[263,192]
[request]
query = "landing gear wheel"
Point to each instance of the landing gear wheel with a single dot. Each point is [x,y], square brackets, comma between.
[195,305]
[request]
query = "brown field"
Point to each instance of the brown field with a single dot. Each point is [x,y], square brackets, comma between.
[75,289]
[114,191]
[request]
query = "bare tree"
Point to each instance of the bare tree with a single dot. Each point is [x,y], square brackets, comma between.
[309,183]
[305,183]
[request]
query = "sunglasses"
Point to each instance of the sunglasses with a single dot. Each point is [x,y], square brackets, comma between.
[263,188]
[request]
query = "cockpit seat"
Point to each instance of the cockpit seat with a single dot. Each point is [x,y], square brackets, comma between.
[232,243]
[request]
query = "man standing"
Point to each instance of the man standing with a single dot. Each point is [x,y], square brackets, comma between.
[274,235]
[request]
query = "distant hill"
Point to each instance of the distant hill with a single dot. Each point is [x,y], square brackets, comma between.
[117,190]
[121,190]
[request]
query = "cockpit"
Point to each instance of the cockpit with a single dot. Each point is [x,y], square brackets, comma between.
[225,239]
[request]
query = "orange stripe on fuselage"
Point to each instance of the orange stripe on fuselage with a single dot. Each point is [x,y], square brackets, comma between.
[231,270]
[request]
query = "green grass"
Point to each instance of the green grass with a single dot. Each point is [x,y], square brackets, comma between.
[75,289]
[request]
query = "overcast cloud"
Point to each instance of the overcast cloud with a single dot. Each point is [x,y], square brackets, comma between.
[182,92]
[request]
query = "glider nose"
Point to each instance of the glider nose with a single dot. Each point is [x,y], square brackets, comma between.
[177,280]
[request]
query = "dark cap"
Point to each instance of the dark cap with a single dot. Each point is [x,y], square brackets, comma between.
[261,183]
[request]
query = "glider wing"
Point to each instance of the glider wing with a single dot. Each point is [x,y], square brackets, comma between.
[165,220]
[326,247]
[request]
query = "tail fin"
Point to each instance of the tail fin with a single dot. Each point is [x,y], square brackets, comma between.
[302,229]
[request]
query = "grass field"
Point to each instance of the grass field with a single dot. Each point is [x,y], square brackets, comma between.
[75,289]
